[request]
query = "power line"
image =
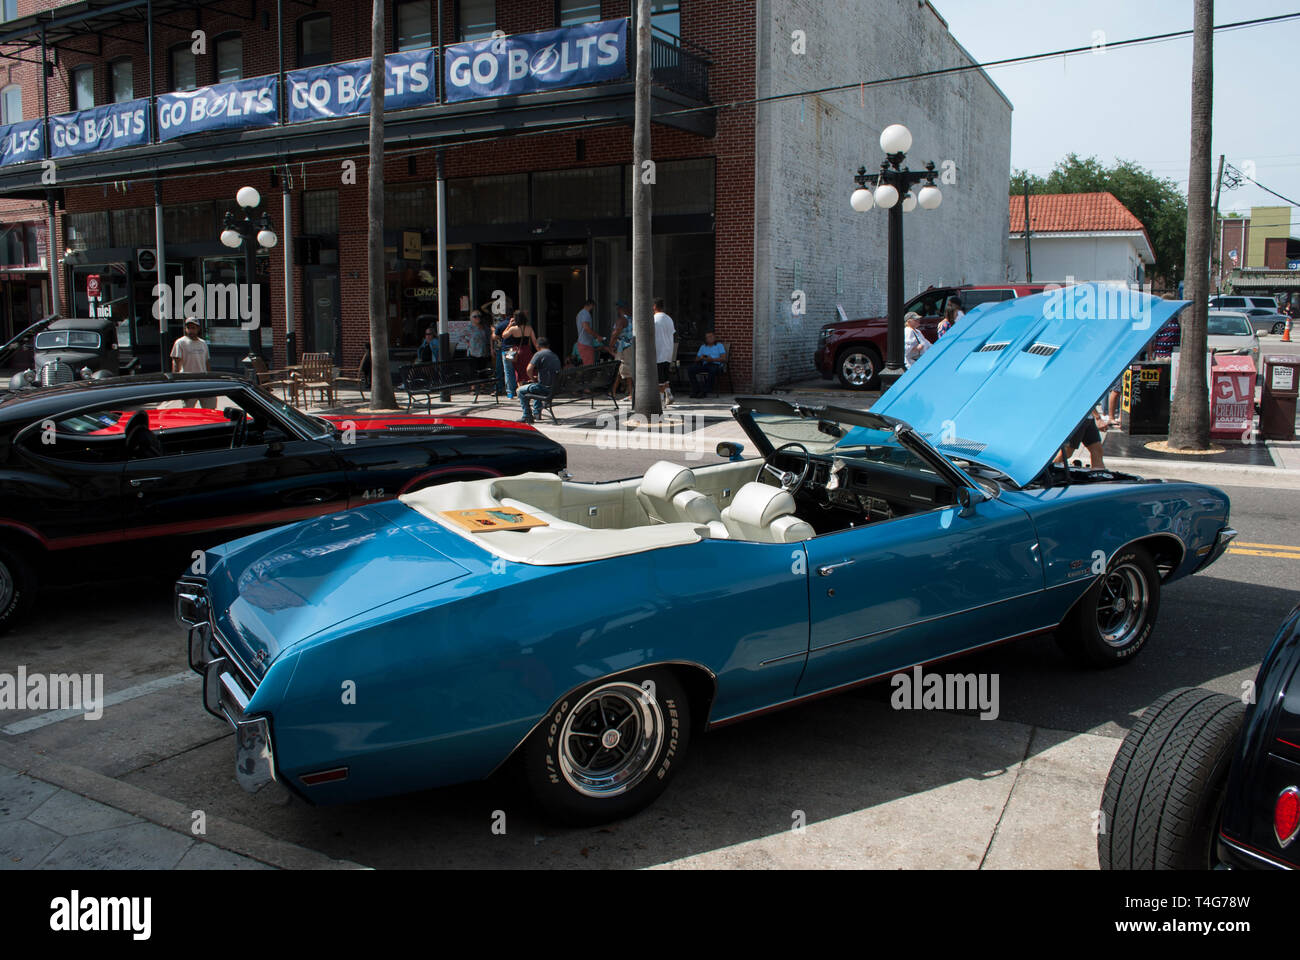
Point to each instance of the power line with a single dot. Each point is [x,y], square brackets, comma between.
[1243,176]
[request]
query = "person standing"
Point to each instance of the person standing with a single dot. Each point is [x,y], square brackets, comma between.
[708,364]
[190,352]
[949,318]
[914,341]
[428,350]
[498,354]
[665,348]
[522,334]
[618,346]
[544,369]
[587,338]
[956,302]
[479,337]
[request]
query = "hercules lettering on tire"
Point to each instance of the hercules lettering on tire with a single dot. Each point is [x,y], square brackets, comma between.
[609,749]
[1112,621]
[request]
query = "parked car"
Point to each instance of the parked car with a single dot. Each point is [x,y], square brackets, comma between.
[1230,332]
[1206,780]
[68,349]
[611,622]
[1231,302]
[1264,320]
[109,474]
[855,350]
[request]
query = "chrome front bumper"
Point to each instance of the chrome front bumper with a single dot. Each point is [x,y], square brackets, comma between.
[227,690]
[1219,547]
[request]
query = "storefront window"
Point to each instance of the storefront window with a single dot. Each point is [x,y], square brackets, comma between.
[413,29]
[190,222]
[475,19]
[320,213]
[591,193]
[315,40]
[411,208]
[133,227]
[479,201]
[86,231]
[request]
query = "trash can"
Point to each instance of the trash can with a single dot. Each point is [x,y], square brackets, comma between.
[1144,410]
[1277,406]
[1232,397]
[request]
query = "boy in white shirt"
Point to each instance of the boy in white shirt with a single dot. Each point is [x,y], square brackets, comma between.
[665,347]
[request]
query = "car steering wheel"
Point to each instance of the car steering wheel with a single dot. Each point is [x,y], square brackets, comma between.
[788,481]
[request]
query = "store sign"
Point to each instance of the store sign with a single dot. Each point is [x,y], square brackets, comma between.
[100,128]
[412,248]
[92,286]
[343,89]
[530,62]
[20,142]
[224,106]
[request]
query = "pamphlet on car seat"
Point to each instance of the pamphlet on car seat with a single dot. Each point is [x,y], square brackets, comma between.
[493,518]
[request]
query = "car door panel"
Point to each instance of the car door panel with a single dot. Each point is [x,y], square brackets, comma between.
[888,595]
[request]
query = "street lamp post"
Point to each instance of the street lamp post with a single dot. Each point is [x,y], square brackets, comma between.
[253,232]
[893,183]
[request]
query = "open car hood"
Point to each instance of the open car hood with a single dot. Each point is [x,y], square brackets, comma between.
[1010,382]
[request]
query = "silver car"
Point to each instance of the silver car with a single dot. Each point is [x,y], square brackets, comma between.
[1230,331]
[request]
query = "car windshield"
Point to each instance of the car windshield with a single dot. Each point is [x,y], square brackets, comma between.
[1226,325]
[313,427]
[829,437]
[58,339]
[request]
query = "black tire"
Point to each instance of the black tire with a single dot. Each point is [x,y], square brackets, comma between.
[1086,635]
[1164,794]
[858,366]
[1278,328]
[18,586]
[611,785]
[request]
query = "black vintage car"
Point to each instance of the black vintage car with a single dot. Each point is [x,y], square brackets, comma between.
[70,348]
[1207,780]
[102,475]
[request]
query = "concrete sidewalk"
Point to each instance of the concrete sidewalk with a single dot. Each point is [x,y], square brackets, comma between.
[59,816]
[697,426]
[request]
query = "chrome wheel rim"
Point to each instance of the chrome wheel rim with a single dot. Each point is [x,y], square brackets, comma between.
[1278,328]
[858,369]
[610,740]
[6,587]
[1122,605]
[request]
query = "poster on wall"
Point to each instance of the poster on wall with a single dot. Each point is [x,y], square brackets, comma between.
[531,62]
[343,89]
[224,106]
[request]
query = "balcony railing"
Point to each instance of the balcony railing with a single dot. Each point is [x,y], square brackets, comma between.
[676,68]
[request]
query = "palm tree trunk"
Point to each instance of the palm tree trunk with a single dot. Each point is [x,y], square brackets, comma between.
[1189,417]
[381,383]
[646,390]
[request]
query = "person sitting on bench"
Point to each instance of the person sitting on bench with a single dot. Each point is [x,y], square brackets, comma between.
[545,366]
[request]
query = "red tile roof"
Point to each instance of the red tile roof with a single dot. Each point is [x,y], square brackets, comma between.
[1074,213]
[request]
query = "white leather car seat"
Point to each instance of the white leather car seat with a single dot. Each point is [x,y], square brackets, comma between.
[765,514]
[668,495]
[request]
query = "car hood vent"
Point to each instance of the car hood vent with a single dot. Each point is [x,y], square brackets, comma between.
[994,347]
[1043,349]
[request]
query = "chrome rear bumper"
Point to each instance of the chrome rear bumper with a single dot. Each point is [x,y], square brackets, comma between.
[227,690]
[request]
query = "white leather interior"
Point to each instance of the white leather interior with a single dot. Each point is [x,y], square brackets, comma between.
[765,513]
[667,494]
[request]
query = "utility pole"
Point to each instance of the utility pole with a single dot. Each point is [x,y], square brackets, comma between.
[1189,415]
[1029,260]
[381,383]
[1216,238]
[646,382]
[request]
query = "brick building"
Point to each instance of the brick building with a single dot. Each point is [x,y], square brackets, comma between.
[750,201]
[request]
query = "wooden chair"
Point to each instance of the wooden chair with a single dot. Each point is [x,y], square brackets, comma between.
[270,379]
[316,375]
[360,379]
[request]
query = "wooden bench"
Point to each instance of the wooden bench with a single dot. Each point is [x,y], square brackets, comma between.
[461,375]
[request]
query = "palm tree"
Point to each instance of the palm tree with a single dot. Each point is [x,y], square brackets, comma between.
[381,383]
[1189,417]
[646,382]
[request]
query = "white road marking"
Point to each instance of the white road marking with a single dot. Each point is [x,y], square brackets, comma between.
[112,700]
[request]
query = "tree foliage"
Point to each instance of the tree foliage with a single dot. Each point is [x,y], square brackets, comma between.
[1156,201]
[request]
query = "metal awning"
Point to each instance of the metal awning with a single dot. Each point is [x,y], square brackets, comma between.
[90,19]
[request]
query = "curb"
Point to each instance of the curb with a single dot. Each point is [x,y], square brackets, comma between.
[226,834]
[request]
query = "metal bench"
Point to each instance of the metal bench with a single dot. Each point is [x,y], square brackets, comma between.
[462,375]
[583,383]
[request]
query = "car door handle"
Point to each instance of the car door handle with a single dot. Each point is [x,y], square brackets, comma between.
[828,569]
[141,481]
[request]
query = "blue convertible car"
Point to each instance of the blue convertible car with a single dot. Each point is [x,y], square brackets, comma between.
[398,647]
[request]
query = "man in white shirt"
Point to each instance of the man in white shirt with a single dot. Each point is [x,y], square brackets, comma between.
[914,341]
[190,352]
[665,348]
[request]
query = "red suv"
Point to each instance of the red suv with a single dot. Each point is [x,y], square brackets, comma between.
[854,350]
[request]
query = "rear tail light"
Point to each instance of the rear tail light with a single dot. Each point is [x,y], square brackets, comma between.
[1286,816]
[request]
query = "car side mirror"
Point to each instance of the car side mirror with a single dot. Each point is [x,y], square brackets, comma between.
[967,498]
[731,450]
[275,440]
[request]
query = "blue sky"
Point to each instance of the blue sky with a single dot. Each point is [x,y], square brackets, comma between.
[1135,103]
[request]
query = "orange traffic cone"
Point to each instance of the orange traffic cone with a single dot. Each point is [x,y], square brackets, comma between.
[1286,331]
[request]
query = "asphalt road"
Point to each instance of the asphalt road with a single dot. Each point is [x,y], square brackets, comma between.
[871,779]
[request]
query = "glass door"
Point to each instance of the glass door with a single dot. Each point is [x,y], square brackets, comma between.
[320,302]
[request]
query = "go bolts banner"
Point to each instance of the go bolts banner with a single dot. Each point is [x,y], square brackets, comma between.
[529,62]
[223,106]
[343,89]
[20,142]
[100,128]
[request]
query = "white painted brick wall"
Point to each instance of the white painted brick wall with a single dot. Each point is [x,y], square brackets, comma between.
[809,148]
